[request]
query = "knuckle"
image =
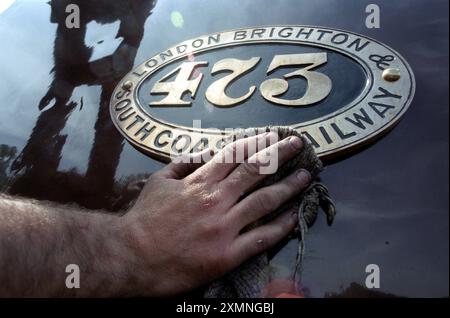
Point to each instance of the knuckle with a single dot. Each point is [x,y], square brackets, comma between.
[213,226]
[259,202]
[196,178]
[263,201]
[251,167]
[209,229]
[202,197]
[231,183]
[209,201]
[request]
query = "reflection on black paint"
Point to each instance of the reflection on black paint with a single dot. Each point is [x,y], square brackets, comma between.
[356,290]
[36,167]
[7,154]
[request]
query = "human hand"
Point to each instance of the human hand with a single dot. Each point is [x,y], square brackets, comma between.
[186,227]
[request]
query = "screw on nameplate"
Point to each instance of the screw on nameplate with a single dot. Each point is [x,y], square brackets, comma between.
[391,74]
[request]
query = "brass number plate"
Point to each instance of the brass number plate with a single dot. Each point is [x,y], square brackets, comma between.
[387,91]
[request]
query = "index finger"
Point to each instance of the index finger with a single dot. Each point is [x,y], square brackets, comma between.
[234,154]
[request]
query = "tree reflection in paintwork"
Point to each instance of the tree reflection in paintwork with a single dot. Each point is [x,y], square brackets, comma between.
[36,167]
[7,154]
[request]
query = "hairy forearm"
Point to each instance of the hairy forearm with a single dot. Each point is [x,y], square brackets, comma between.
[185,230]
[38,240]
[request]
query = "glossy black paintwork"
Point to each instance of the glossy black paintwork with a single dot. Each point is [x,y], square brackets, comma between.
[392,198]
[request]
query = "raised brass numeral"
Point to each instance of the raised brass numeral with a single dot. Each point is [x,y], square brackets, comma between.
[182,84]
[215,93]
[318,85]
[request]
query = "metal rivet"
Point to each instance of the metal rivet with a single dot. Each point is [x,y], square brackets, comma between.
[128,85]
[391,74]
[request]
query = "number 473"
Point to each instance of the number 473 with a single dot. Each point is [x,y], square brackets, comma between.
[318,85]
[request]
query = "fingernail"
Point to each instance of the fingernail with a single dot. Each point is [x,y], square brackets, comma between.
[294,216]
[304,176]
[296,142]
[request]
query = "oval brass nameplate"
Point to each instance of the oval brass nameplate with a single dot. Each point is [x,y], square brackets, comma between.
[338,88]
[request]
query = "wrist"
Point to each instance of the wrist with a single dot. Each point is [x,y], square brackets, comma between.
[122,258]
[109,267]
[136,263]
